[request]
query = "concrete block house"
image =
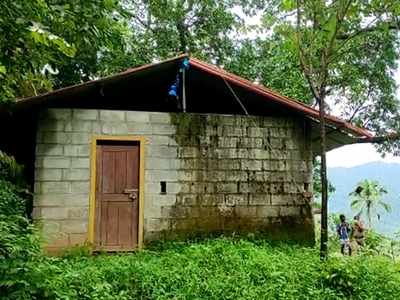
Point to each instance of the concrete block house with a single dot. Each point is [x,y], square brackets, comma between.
[168,150]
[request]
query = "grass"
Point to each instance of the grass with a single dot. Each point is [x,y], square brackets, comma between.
[217,269]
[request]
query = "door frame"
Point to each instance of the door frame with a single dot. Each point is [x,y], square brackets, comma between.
[92,197]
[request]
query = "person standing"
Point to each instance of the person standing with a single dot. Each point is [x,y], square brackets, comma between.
[343,230]
[357,232]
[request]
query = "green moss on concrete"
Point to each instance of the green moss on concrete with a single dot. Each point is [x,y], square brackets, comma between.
[189,128]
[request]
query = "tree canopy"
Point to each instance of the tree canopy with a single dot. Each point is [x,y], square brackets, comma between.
[347,51]
[349,48]
[55,43]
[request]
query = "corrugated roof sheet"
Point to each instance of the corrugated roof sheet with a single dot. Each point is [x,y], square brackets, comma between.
[266,93]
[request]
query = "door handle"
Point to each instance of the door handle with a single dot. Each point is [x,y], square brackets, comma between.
[128,191]
[131,193]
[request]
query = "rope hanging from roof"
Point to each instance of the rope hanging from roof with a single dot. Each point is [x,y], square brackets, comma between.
[236,97]
[305,194]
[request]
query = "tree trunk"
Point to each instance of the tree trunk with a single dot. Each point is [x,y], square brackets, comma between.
[182,31]
[369,216]
[324,182]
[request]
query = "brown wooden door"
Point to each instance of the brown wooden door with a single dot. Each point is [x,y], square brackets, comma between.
[117,197]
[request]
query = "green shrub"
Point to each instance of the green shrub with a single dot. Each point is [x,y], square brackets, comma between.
[19,252]
[20,249]
[10,170]
[213,269]
[11,200]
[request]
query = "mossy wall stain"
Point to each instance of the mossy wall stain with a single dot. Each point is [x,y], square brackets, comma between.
[239,177]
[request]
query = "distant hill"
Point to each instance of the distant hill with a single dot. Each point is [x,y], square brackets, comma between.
[345,179]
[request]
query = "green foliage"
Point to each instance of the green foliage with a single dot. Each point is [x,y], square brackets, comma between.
[207,29]
[14,195]
[19,243]
[346,52]
[213,269]
[20,255]
[378,244]
[367,197]
[20,246]
[54,44]
[11,201]
[45,44]
[361,277]
[77,251]
[10,170]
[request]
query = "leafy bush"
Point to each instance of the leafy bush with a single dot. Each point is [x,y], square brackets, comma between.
[378,244]
[20,250]
[11,201]
[10,170]
[214,269]
[20,247]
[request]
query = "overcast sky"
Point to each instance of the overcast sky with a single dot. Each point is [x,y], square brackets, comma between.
[353,155]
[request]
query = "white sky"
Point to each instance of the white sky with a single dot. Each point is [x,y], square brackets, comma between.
[353,155]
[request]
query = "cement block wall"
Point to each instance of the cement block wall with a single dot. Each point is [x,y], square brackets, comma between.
[222,173]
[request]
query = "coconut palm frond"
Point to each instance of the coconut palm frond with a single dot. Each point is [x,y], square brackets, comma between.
[382,190]
[386,206]
[366,197]
[357,203]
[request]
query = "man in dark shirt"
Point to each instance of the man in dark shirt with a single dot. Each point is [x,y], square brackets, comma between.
[343,231]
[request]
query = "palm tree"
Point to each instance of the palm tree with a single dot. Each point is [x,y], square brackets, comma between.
[367,197]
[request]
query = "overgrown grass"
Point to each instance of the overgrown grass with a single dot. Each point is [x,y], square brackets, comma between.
[220,268]
[215,269]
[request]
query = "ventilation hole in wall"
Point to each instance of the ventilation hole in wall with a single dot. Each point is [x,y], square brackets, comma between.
[205,189]
[163,185]
[306,186]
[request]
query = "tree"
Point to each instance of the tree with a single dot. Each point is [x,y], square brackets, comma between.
[346,51]
[51,44]
[207,29]
[100,33]
[367,197]
[25,48]
[55,43]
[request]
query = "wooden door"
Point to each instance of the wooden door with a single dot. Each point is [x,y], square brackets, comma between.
[117,196]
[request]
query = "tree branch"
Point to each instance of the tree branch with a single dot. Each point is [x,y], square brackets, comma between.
[358,109]
[390,26]
[379,139]
[303,65]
